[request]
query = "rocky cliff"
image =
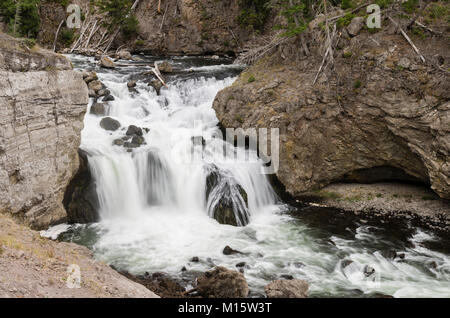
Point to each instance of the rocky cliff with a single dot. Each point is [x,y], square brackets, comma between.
[190,26]
[42,102]
[379,114]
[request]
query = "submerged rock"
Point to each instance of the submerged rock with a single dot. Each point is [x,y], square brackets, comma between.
[108,98]
[131,83]
[134,130]
[157,85]
[368,270]
[294,288]
[227,200]
[109,123]
[222,283]
[229,251]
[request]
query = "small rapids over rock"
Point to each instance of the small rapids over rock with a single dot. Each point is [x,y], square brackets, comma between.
[159,209]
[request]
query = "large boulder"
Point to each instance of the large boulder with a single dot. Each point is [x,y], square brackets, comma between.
[375,115]
[221,282]
[165,67]
[282,288]
[227,201]
[124,55]
[106,62]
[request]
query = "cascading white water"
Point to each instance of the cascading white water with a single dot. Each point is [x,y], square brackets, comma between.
[162,172]
[156,216]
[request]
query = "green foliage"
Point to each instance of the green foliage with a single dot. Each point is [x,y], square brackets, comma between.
[130,25]
[348,4]
[119,14]
[64,3]
[345,20]
[251,79]
[297,15]
[357,84]
[21,16]
[139,43]
[254,14]
[410,6]
[347,54]
[436,10]
[30,43]
[383,3]
[67,36]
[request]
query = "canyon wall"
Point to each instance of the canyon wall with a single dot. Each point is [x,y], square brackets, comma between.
[379,114]
[42,102]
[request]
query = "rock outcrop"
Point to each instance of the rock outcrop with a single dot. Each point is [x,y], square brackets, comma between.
[42,102]
[190,26]
[370,112]
[33,266]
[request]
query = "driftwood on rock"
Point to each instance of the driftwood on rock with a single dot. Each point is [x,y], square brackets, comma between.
[156,71]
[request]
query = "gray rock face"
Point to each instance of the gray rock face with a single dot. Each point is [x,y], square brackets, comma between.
[222,283]
[293,288]
[383,116]
[42,117]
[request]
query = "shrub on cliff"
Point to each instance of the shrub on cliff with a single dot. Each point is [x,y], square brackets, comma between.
[119,14]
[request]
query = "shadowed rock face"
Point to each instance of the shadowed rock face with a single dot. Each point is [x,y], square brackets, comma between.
[42,103]
[368,113]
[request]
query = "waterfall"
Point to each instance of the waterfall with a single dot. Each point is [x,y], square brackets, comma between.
[158,207]
[162,172]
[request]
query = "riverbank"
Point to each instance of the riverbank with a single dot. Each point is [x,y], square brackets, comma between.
[385,201]
[33,266]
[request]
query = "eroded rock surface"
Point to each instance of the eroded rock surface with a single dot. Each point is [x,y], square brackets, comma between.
[42,103]
[368,113]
